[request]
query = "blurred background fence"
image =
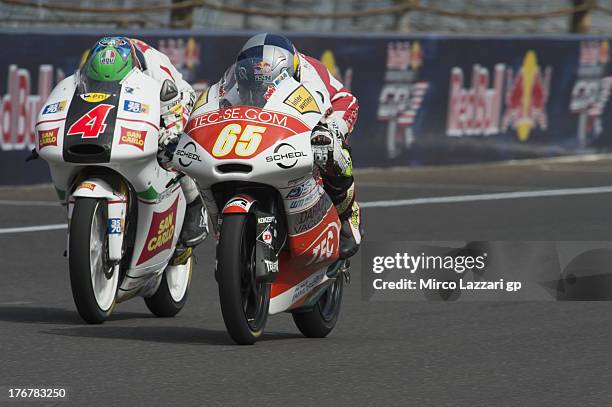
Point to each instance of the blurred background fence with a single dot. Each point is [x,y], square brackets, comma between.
[445,16]
[436,85]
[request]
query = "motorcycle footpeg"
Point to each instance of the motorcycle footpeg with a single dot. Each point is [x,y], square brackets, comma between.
[334,269]
[347,276]
[33,155]
[340,267]
[345,271]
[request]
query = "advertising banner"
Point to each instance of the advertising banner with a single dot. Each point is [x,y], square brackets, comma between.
[422,99]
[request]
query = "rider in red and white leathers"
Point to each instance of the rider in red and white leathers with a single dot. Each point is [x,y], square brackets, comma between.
[265,57]
[335,160]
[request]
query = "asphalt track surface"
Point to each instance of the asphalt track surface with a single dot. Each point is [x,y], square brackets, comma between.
[391,353]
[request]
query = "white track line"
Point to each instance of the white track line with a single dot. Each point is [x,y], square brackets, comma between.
[28,203]
[575,169]
[488,197]
[416,185]
[36,228]
[409,202]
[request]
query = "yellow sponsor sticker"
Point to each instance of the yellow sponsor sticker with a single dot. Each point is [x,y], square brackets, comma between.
[95,97]
[302,101]
[88,185]
[203,99]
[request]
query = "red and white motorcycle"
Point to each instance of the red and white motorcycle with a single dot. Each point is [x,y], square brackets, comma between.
[125,212]
[278,231]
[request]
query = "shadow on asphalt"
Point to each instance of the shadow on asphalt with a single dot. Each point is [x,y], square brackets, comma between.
[57,316]
[163,334]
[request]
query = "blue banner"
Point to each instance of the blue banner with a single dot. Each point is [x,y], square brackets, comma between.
[423,99]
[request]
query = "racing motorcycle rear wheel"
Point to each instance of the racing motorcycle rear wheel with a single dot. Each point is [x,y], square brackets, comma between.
[93,279]
[244,301]
[318,321]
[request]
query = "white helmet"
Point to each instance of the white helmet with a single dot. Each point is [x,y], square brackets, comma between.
[264,58]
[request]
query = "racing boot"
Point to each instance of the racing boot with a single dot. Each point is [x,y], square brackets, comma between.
[351,232]
[195,225]
[341,189]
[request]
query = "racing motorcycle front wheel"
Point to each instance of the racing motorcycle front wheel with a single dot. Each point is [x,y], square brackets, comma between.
[171,295]
[244,300]
[93,279]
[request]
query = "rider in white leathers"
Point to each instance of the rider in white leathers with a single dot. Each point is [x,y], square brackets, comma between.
[111,59]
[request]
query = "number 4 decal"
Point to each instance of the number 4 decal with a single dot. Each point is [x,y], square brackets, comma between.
[92,123]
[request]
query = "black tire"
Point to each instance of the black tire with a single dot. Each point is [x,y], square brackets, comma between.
[82,221]
[162,304]
[244,302]
[319,321]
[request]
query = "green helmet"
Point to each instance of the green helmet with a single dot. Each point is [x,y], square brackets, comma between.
[110,60]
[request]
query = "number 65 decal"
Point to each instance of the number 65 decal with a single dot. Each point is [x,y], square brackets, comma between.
[243,142]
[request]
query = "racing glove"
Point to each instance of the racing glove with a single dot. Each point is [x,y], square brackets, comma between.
[167,137]
[328,151]
[172,105]
[168,140]
[172,116]
[171,112]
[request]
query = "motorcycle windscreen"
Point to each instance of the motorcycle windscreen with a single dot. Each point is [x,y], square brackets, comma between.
[90,124]
[250,83]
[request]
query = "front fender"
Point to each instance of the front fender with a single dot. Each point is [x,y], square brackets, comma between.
[117,208]
[238,204]
[266,245]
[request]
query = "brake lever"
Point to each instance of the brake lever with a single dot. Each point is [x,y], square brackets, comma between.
[33,155]
[175,179]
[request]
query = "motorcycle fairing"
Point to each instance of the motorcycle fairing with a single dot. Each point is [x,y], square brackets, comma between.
[133,158]
[304,266]
[314,227]
[90,150]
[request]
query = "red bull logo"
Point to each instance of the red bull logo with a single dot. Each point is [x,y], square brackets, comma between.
[475,110]
[183,54]
[262,68]
[19,107]
[481,110]
[329,60]
[526,98]
[594,53]
[192,53]
[404,55]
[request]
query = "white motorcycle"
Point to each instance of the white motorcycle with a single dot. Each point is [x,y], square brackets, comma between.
[125,212]
[278,231]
